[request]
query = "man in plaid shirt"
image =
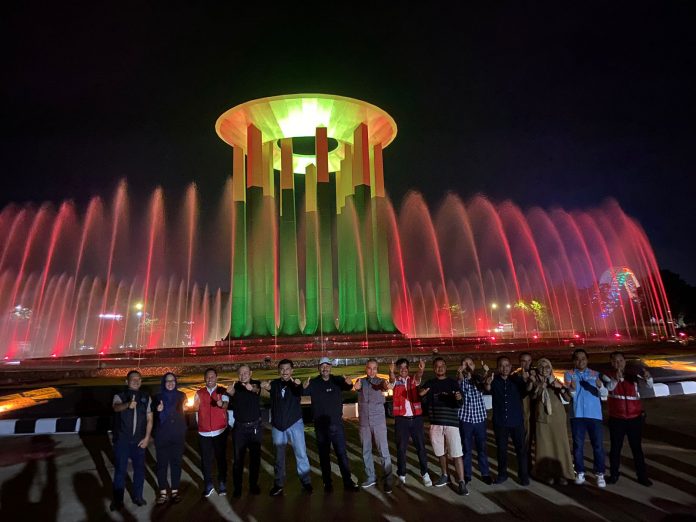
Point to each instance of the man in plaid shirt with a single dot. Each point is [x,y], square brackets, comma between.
[472,418]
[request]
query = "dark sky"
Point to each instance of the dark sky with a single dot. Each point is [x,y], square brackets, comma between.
[545,106]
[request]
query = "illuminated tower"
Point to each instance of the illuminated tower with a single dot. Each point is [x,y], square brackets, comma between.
[344,286]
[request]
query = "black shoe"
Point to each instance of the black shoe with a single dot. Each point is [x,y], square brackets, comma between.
[524,482]
[222,489]
[645,481]
[276,491]
[500,479]
[328,488]
[139,502]
[462,489]
[352,486]
[237,493]
[307,488]
[388,485]
[116,505]
[486,479]
[612,479]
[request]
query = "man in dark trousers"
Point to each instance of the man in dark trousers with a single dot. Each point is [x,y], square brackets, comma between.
[210,403]
[327,410]
[287,426]
[508,418]
[245,402]
[131,435]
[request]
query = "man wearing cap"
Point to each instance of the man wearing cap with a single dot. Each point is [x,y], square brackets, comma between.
[325,391]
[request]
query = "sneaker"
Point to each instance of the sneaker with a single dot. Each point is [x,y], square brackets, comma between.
[580,479]
[612,479]
[462,490]
[388,487]
[255,489]
[486,479]
[222,489]
[402,479]
[601,483]
[140,502]
[307,488]
[209,490]
[276,491]
[426,480]
[368,483]
[442,481]
[645,481]
[352,486]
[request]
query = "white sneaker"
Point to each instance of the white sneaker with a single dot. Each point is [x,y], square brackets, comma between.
[402,479]
[580,479]
[426,480]
[601,483]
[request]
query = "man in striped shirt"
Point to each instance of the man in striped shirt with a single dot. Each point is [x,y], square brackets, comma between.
[444,400]
[472,418]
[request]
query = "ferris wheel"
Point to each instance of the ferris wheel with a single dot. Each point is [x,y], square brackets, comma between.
[613,281]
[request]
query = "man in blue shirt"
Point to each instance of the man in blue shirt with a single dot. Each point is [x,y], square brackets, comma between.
[508,419]
[586,389]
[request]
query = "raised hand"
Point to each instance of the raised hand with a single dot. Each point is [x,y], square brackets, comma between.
[248,386]
[132,404]
[348,380]
[230,388]
[423,392]
[266,385]
[358,385]
[306,383]
[160,406]
[296,381]
[421,365]
[392,368]
[484,366]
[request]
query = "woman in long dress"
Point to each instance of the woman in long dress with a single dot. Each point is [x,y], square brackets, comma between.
[552,462]
[170,435]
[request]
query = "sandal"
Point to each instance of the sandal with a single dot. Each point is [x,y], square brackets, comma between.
[175,496]
[162,498]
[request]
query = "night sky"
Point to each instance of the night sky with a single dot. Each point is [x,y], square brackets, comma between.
[545,106]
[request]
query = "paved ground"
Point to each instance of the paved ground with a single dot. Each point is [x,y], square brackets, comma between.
[68,477]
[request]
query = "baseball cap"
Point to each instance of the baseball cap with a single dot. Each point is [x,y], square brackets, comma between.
[325,360]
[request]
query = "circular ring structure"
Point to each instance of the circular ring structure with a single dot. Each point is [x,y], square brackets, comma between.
[299,115]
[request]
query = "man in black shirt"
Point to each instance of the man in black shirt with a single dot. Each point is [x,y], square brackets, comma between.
[327,409]
[245,402]
[287,426]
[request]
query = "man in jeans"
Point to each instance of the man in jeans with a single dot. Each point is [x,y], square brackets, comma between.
[408,418]
[626,416]
[373,424]
[247,434]
[211,403]
[327,409]
[287,426]
[472,419]
[131,434]
[586,389]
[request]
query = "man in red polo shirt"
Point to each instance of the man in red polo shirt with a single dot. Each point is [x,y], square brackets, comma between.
[211,403]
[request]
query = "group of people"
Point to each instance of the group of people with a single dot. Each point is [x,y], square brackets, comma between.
[528,408]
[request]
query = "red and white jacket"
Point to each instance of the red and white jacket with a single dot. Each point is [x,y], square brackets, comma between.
[624,399]
[403,390]
[210,416]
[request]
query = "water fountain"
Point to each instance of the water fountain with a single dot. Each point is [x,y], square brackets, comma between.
[306,242]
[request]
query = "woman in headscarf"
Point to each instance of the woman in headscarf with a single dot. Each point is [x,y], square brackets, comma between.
[552,462]
[170,434]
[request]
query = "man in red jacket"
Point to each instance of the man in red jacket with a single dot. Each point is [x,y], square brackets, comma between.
[408,417]
[211,403]
[626,415]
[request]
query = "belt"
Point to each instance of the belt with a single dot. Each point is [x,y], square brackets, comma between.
[248,424]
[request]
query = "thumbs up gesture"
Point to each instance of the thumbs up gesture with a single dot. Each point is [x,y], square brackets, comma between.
[160,406]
